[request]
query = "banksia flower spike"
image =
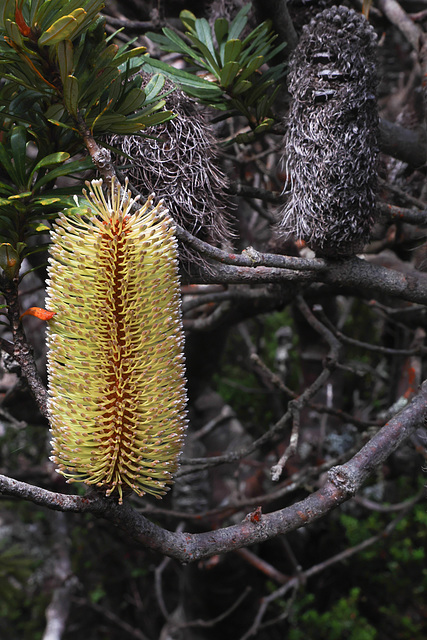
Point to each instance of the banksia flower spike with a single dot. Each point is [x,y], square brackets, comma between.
[115,345]
[331,143]
[179,164]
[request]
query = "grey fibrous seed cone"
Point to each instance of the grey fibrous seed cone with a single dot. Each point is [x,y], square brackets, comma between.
[331,142]
[180,166]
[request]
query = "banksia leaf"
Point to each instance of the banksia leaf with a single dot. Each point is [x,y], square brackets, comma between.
[9,260]
[115,358]
[331,144]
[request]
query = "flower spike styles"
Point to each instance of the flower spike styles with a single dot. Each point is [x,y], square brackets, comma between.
[115,345]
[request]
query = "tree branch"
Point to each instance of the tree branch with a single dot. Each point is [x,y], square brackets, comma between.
[402,21]
[403,144]
[360,276]
[342,483]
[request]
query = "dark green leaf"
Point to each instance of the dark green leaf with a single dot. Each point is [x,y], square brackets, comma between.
[154,86]
[62,29]
[181,46]
[5,188]
[52,160]
[133,101]
[18,144]
[210,61]
[65,170]
[228,73]
[241,87]
[71,94]
[204,34]
[133,53]
[7,165]
[239,22]
[275,51]
[190,83]
[221,29]
[188,19]
[232,50]
[249,69]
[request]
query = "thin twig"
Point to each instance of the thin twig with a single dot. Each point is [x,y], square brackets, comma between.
[402,21]
[112,617]
[401,214]
[21,349]
[262,565]
[387,508]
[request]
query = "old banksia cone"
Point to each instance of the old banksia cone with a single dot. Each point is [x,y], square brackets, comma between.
[331,143]
[115,358]
[179,163]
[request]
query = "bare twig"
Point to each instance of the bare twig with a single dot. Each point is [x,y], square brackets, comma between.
[388,508]
[253,192]
[402,195]
[263,566]
[403,144]
[101,156]
[296,405]
[21,349]
[112,617]
[278,12]
[158,586]
[354,275]
[399,214]
[158,580]
[419,349]
[134,25]
[222,616]
[6,346]
[402,21]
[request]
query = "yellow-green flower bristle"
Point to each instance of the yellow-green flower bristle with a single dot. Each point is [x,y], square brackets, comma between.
[115,345]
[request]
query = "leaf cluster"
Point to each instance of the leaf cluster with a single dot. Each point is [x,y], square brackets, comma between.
[343,620]
[58,72]
[60,51]
[227,67]
[27,195]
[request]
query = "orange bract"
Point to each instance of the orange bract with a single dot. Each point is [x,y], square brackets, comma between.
[37,312]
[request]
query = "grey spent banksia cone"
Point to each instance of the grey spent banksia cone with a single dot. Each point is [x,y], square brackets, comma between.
[331,141]
[115,345]
[179,164]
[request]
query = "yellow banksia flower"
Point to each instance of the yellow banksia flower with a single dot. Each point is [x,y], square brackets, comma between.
[115,345]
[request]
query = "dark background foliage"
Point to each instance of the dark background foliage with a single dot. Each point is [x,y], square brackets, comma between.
[254,345]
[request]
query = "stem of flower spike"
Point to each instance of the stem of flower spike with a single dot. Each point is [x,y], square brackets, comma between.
[101,157]
[21,349]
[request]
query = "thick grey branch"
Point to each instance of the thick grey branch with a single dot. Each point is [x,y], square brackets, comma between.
[353,274]
[404,144]
[343,482]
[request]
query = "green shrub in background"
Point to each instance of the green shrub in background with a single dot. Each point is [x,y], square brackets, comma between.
[342,622]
